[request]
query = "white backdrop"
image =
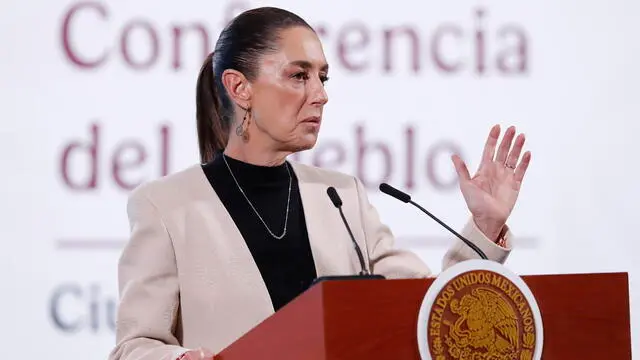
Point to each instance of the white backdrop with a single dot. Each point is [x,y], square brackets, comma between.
[111,85]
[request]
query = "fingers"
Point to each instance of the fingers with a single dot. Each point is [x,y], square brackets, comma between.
[522,168]
[490,145]
[514,155]
[505,145]
[461,168]
[506,155]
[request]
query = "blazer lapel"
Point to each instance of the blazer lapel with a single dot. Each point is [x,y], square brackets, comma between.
[235,250]
[329,240]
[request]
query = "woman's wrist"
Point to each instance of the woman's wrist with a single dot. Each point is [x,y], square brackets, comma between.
[493,230]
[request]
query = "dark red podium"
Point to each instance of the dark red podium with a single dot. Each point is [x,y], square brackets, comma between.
[585,316]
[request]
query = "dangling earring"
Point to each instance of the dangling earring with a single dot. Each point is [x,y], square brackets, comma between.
[245,133]
[242,130]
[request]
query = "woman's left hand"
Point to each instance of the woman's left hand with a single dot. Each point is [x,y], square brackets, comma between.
[492,192]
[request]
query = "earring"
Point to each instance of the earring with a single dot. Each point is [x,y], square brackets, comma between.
[241,130]
[245,133]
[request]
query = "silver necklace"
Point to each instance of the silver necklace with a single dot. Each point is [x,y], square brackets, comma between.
[286,216]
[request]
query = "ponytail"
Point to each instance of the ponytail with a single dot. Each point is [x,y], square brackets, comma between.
[213,133]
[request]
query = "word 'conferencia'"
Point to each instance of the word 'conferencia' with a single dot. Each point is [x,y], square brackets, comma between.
[138,43]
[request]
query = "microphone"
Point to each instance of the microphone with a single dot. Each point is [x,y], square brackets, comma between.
[337,202]
[364,273]
[406,198]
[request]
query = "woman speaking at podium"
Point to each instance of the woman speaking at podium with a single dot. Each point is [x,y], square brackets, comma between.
[220,246]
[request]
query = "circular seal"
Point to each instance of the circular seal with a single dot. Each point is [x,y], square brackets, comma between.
[479,310]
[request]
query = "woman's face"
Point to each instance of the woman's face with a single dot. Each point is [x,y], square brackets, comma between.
[288,95]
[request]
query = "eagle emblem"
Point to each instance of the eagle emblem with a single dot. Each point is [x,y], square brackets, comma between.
[487,323]
[481,316]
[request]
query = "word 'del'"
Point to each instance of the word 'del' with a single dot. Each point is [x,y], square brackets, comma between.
[84,162]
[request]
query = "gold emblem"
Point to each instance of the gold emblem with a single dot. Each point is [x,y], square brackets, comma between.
[481,315]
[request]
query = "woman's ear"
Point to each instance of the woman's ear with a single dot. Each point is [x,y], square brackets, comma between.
[238,87]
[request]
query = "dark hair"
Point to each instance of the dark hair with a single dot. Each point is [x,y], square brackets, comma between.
[240,45]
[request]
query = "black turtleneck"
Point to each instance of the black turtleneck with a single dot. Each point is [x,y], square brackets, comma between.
[286,264]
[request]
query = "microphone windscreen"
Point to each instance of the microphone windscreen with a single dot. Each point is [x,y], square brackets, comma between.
[391,191]
[333,195]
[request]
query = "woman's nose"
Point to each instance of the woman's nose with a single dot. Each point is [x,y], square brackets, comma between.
[318,93]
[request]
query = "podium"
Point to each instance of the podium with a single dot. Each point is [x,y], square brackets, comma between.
[585,316]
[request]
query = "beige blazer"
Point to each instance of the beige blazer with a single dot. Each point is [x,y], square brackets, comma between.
[187,278]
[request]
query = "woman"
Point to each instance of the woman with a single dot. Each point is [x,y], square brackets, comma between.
[217,248]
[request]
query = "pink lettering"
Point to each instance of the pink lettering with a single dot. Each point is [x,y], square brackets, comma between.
[82,163]
[365,148]
[72,53]
[120,164]
[346,44]
[90,151]
[152,41]
[477,46]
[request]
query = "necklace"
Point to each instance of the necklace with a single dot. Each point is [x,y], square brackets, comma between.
[286,216]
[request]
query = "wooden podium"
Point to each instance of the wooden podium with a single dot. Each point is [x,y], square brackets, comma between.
[585,316]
